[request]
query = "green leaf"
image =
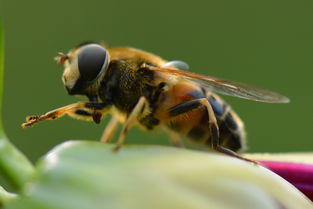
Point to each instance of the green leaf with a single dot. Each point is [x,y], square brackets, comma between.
[5,196]
[13,164]
[1,74]
[88,175]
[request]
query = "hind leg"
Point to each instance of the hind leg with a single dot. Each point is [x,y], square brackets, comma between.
[212,124]
[215,140]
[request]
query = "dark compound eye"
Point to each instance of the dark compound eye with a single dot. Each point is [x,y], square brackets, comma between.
[92,60]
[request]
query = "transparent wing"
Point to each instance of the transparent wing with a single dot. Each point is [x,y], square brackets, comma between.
[230,88]
[181,65]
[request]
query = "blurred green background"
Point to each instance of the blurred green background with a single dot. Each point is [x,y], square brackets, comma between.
[266,43]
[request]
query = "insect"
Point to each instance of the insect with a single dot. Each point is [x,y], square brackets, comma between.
[140,88]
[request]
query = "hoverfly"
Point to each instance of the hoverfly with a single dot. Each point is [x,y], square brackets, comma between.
[140,88]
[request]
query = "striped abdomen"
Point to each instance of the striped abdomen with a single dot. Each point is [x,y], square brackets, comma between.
[193,122]
[231,129]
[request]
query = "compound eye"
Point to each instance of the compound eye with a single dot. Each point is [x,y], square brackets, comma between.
[92,61]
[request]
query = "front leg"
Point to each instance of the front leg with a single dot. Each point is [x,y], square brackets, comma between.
[81,110]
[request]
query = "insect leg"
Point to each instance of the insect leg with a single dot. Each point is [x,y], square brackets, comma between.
[176,139]
[86,115]
[213,127]
[80,114]
[109,130]
[76,109]
[215,143]
[130,120]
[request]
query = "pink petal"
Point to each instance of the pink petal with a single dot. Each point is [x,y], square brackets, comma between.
[298,174]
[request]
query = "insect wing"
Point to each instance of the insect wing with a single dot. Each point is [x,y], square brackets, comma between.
[230,88]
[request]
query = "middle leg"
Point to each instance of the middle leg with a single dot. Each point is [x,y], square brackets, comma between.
[110,129]
[130,121]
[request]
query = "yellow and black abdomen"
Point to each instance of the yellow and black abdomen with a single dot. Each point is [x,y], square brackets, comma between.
[231,128]
[188,117]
